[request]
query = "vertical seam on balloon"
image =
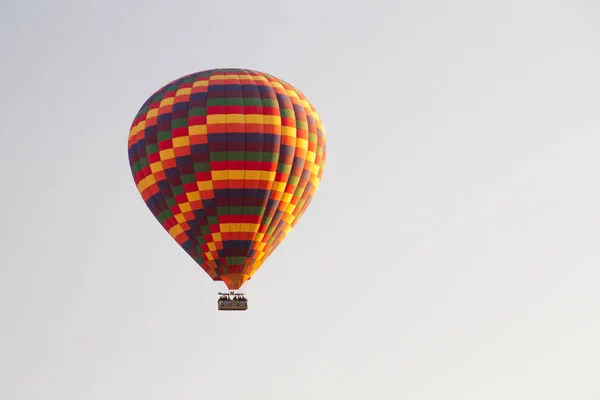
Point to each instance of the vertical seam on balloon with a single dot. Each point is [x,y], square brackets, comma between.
[300,188]
[310,186]
[250,259]
[247,196]
[226,257]
[304,188]
[189,237]
[264,175]
[139,152]
[249,193]
[221,264]
[243,200]
[277,153]
[161,199]
[321,145]
[274,221]
[218,265]
[201,252]
[308,189]
[276,237]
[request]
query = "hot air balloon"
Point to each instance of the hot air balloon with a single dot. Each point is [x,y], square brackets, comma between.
[227,160]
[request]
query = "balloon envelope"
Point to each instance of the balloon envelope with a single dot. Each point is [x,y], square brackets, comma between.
[227,160]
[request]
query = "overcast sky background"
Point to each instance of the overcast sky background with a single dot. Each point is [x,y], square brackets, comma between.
[452,250]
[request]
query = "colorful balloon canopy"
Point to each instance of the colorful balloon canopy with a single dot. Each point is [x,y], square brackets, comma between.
[227,160]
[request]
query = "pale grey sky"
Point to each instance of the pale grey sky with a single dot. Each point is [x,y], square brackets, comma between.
[452,251]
